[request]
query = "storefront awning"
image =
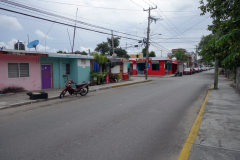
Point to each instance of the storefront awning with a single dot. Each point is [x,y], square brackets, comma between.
[174,62]
[115,61]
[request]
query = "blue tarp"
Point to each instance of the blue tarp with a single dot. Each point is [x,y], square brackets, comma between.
[96,67]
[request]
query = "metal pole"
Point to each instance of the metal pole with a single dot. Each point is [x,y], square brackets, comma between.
[74,31]
[28,41]
[112,44]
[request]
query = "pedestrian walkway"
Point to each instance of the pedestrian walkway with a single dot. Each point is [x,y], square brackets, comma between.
[218,137]
[22,98]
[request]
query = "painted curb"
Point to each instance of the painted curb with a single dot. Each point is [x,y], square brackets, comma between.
[194,130]
[55,97]
[119,85]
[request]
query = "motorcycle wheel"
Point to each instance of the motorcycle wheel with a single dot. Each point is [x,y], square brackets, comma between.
[84,92]
[63,94]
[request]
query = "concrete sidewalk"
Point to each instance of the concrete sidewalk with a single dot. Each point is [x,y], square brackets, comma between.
[17,99]
[218,137]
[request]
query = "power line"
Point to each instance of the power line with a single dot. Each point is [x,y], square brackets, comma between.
[55,15]
[63,23]
[136,4]
[89,6]
[189,28]
[47,33]
[147,3]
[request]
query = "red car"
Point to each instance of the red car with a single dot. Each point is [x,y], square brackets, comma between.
[187,71]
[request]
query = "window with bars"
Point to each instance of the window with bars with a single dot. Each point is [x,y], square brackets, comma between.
[18,70]
[65,69]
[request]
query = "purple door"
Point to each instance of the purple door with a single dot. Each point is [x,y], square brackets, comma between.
[46,76]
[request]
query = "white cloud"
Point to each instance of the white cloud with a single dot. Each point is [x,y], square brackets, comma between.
[42,48]
[54,50]
[10,22]
[9,44]
[42,35]
[2,44]
[86,49]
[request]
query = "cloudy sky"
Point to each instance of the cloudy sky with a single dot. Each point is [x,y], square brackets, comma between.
[179,26]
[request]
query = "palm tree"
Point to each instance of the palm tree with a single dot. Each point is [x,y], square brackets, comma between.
[101,59]
[102,48]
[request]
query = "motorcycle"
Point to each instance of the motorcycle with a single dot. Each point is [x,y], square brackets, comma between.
[177,73]
[81,88]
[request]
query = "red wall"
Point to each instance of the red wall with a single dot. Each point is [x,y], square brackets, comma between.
[160,72]
[174,68]
[125,75]
[135,70]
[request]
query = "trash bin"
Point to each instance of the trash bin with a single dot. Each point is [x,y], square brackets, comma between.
[37,95]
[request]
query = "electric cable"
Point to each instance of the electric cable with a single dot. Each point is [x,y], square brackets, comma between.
[52,14]
[64,23]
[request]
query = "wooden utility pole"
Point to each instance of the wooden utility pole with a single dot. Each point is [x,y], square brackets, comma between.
[147,45]
[112,44]
[74,31]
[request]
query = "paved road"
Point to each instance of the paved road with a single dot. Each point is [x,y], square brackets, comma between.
[137,122]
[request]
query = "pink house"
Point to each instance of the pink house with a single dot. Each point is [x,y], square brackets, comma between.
[20,69]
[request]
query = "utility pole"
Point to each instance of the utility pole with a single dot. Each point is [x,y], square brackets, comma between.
[196,53]
[28,41]
[148,32]
[74,31]
[112,44]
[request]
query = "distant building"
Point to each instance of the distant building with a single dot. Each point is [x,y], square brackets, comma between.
[139,55]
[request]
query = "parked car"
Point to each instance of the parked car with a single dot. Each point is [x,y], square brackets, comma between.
[204,69]
[211,67]
[187,71]
[197,70]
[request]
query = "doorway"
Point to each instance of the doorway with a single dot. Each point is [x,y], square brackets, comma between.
[46,72]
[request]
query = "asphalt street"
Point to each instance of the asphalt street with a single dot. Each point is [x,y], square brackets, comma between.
[137,122]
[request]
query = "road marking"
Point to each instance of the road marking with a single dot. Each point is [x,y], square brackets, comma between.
[194,131]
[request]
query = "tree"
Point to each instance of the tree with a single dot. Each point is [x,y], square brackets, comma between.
[152,54]
[101,59]
[60,52]
[120,53]
[226,29]
[144,52]
[102,48]
[116,42]
[180,56]
[84,53]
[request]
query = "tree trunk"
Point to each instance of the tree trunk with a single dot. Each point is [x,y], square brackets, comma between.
[216,73]
[100,68]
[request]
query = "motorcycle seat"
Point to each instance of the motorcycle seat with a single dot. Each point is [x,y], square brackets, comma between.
[81,84]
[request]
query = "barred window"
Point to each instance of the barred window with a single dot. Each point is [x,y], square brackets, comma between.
[18,70]
[65,69]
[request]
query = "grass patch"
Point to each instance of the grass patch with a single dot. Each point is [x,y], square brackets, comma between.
[12,89]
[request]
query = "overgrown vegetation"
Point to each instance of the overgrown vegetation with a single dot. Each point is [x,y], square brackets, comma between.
[107,48]
[224,42]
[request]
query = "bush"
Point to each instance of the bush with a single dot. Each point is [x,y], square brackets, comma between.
[12,89]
